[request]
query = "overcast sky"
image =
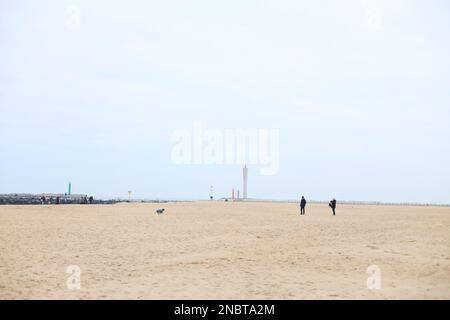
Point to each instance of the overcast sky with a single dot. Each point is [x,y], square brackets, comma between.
[359,91]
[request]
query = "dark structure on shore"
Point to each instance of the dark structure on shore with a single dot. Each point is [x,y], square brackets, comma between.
[49,198]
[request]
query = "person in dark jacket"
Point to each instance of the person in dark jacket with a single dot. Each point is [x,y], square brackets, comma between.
[302,205]
[332,205]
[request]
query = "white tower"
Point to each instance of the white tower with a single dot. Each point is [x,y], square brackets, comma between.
[245,174]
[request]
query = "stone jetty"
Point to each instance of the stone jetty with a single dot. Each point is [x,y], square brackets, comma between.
[50,198]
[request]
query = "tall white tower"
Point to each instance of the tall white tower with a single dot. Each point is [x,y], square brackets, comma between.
[245,174]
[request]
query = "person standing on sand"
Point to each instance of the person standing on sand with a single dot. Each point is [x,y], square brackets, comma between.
[332,205]
[302,206]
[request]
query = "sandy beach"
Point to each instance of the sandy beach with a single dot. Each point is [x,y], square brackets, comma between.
[224,250]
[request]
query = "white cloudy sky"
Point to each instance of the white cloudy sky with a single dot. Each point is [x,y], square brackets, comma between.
[363,108]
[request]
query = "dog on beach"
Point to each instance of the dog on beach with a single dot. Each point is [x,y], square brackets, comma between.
[160,211]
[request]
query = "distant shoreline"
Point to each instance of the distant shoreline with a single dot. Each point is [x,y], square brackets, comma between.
[35,199]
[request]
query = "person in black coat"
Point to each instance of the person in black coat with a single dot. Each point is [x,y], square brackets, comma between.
[302,206]
[332,205]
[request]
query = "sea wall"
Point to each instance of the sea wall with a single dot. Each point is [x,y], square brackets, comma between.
[25,198]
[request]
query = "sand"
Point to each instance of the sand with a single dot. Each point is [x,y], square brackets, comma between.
[224,250]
